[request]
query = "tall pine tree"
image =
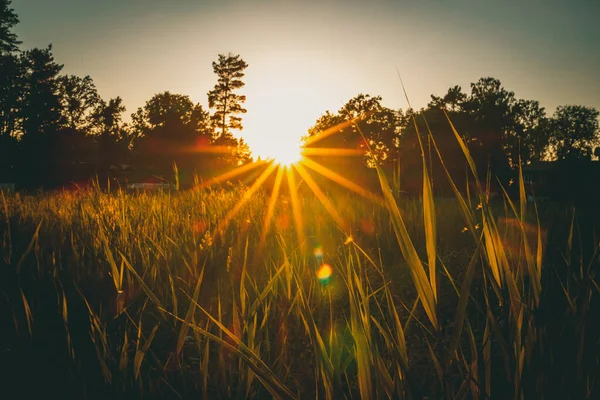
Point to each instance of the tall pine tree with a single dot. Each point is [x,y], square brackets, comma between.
[8,19]
[11,72]
[227,104]
[41,113]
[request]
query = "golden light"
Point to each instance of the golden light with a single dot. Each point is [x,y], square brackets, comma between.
[282,152]
[287,153]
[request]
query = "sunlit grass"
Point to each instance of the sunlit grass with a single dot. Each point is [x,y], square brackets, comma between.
[255,291]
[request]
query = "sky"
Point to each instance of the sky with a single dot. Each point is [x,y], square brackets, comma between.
[306,57]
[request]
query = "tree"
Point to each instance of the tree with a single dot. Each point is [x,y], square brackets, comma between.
[453,100]
[79,99]
[8,19]
[111,137]
[41,107]
[170,128]
[11,92]
[41,115]
[379,125]
[488,123]
[11,70]
[574,132]
[328,132]
[171,118]
[227,104]
[529,138]
[500,129]
[420,137]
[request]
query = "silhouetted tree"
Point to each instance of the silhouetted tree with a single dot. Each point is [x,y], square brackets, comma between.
[171,128]
[10,90]
[41,107]
[433,128]
[323,131]
[41,114]
[530,137]
[574,132]
[490,107]
[111,135]
[172,117]
[11,74]
[227,104]
[453,100]
[230,151]
[8,19]
[379,125]
[500,129]
[79,98]
[74,143]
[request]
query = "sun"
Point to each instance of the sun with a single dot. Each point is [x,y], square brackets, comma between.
[284,152]
[288,154]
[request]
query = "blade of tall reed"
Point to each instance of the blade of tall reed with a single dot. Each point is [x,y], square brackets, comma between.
[463,300]
[30,247]
[141,351]
[262,372]
[189,315]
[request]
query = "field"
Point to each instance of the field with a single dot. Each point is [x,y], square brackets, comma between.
[120,295]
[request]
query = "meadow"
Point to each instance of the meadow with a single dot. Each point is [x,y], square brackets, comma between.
[169,295]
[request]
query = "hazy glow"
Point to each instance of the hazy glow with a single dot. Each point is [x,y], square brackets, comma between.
[288,154]
[271,208]
[289,165]
[321,196]
[283,102]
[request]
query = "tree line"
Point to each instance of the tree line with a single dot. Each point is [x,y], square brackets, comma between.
[56,128]
[500,130]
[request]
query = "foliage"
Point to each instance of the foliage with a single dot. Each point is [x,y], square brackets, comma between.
[575,132]
[78,98]
[167,130]
[8,19]
[227,104]
[11,90]
[113,137]
[41,106]
[375,129]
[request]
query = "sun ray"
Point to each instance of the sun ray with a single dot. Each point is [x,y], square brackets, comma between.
[247,196]
[210,149]
[334,176]
[332,152]
[321,196]
[295,205]
[328,132]
[232,174]
[270,209]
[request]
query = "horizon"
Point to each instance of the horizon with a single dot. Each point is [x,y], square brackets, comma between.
[365,252]
[305,59]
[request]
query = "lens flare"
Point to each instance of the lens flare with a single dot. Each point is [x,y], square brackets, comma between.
[318,252]
[324,273]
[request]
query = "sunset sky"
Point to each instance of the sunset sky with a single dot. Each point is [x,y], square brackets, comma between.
[309,56]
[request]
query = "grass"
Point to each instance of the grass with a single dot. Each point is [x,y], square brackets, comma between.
[110,295]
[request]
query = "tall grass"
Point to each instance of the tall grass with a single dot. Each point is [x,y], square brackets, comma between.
[133,295]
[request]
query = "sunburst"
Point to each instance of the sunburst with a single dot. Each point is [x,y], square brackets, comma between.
[293,162]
